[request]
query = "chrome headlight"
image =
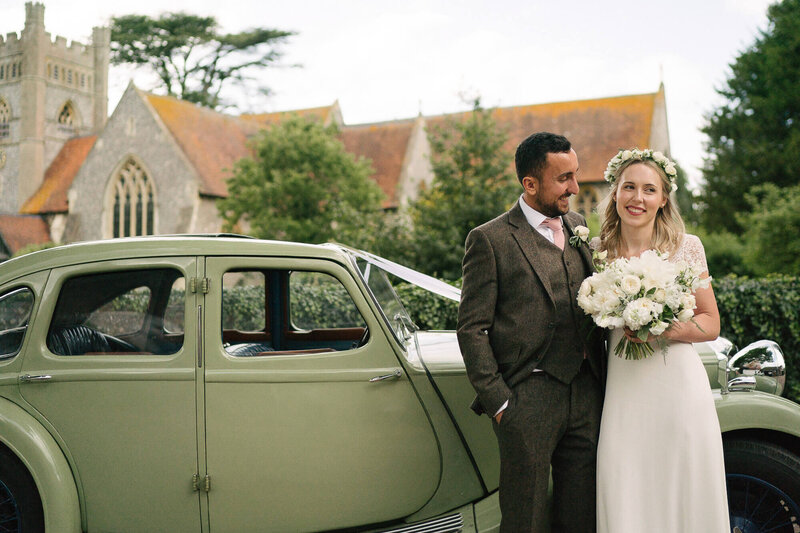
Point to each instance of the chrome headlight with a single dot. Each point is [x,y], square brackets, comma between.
[762,360]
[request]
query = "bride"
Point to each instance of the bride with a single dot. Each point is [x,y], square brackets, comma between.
[659,459]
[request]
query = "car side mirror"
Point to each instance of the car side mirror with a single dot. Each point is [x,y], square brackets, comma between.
[762,363]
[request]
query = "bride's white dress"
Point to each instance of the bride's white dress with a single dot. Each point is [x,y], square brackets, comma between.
[659,458]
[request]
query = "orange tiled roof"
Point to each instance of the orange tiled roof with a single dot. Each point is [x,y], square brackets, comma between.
[51,196]
[19,231]
[266,119]
[597,128]
[211,141]
[386,145]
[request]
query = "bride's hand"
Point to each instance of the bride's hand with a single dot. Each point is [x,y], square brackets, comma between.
[631,336]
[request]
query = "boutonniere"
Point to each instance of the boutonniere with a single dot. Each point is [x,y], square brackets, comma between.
[581,236]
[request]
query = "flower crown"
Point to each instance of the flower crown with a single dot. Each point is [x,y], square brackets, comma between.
[641,155]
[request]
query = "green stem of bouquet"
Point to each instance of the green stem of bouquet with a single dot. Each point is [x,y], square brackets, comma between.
[633,350]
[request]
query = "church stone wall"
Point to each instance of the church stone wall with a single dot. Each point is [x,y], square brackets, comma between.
[132,131]
[8,174]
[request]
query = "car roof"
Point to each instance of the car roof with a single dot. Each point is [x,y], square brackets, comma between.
[163,246]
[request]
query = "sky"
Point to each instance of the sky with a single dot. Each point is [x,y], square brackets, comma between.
[385,60]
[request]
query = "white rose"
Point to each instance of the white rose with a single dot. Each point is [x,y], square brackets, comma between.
[631,284]
[688,301]
[659,328]
[582,232]
[669,169]
[658,157]
[602,255]
[638,313]
[685,315]
[626,154]
[660,296]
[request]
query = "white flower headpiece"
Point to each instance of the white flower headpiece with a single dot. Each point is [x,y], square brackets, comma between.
[641,155]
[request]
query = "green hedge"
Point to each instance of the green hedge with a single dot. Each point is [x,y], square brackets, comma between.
[750,310]
[764,308]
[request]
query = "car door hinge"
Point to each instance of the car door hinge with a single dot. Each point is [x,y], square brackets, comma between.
[201,285]
[199,484]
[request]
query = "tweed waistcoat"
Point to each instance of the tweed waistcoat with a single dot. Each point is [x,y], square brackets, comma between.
[565,353]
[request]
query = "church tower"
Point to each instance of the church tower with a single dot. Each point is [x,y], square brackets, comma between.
[49,92]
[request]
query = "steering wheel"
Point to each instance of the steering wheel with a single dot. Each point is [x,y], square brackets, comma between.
[119,345]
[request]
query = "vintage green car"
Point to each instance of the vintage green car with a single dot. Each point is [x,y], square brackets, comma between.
[220,383]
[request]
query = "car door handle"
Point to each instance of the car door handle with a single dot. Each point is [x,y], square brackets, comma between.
[27,378]
[394,375]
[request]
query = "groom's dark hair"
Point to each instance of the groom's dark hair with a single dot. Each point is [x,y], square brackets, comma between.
[531,156]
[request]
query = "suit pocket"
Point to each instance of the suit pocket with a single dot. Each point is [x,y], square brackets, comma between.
[509,410]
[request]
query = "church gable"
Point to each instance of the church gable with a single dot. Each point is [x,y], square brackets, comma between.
[135,154]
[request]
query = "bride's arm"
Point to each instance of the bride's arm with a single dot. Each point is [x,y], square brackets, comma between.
[706,315]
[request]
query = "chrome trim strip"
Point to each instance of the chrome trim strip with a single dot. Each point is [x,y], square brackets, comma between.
[446,524]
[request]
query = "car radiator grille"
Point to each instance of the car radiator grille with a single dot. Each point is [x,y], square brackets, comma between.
[446,524]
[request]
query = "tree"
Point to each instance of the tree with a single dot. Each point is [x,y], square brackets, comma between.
[754,138]
[302,185]
[193,60]
[772,239]
[472,184]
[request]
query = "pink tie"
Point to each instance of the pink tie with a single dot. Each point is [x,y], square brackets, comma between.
[558,233]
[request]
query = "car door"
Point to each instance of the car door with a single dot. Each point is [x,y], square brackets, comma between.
[112,373]
[297,436]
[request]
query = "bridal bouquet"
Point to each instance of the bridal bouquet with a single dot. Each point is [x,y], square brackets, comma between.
[645,294]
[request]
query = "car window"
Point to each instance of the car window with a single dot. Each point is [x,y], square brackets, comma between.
[120,312]
[243,301]
[15,312]
[279,312]
[124,314]
[319,301]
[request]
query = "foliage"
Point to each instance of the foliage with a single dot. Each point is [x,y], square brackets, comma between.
[429,311]
[190,56]
[772,238]
[753,137]
[33,248]
[724,252]
[685,198]
[302,185]
[763,308]
[472,184]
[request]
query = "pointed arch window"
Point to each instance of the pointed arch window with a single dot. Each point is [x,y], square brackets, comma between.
[587,200]
[5,119]
[67,119]
[133,205]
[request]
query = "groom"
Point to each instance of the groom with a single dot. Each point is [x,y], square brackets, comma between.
[526,347]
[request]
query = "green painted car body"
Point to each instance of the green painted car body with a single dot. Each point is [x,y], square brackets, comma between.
[138,395]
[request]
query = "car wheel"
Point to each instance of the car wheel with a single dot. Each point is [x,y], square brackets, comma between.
[20,506]
[763,487]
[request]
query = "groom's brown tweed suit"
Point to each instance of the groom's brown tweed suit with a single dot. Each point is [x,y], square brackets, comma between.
[518,313]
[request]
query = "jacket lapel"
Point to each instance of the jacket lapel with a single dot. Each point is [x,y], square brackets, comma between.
[523,234]
[570,221]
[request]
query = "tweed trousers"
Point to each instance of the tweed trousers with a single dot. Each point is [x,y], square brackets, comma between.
[546,423]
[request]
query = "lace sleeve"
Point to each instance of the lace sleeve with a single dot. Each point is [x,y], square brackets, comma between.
[691,250]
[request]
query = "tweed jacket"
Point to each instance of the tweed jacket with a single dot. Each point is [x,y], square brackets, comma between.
[503,326]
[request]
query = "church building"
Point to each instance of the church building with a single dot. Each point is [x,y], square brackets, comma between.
[157,165]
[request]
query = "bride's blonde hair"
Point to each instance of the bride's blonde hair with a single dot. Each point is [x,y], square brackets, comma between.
[668,229]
